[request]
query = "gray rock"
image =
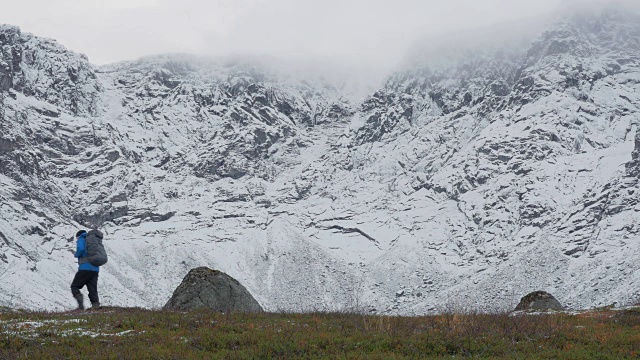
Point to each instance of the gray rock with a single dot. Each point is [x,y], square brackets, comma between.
[633,167]
[539,300]
[46,70]
[204,288]
[98,218]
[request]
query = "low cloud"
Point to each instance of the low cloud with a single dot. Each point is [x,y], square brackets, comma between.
[369,33]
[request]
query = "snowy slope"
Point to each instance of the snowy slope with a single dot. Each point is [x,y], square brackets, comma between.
[465,183]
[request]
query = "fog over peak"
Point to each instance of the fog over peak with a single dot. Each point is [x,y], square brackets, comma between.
[372,34]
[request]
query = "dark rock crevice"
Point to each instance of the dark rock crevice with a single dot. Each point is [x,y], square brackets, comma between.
[633,167]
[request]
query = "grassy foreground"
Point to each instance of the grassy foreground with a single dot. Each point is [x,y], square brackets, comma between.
[144,334]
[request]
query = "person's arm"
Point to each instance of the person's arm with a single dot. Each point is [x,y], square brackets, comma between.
[81,248]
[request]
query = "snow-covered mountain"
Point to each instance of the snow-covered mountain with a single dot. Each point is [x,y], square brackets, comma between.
[463,183]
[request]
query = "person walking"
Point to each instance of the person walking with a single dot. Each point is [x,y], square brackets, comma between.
[87,273]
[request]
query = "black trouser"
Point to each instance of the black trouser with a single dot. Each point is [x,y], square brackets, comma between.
[89,278]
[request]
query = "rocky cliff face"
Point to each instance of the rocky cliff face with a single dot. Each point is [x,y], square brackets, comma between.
[633,167]
[518,173]
[468,182]
[238,113]
[46,71]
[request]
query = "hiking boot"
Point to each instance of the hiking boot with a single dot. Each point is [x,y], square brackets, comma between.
[80,301]
[95,306]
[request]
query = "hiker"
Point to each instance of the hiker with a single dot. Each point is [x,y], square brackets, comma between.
[91,255]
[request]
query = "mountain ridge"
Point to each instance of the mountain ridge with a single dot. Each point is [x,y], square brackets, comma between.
[433,191]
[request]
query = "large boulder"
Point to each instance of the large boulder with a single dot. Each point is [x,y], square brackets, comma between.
[204,288]
[539,300]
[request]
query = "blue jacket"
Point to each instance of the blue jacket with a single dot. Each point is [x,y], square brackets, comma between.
[82,252]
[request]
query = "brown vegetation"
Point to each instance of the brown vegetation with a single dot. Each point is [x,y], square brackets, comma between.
[144,334]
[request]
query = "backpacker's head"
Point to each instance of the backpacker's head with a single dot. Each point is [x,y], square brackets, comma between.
[80,233]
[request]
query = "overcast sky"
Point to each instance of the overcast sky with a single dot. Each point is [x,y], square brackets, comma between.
[375,32]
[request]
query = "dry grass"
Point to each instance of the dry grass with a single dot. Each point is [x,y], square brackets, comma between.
[144,334]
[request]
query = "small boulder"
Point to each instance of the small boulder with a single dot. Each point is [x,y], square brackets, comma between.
[204,288]
[539,300]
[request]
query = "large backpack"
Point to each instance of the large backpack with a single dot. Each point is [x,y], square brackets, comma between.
[96,253]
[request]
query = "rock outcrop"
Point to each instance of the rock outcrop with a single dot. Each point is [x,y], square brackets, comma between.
[539,300]
[47,71]
[204,288]
[633,167]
